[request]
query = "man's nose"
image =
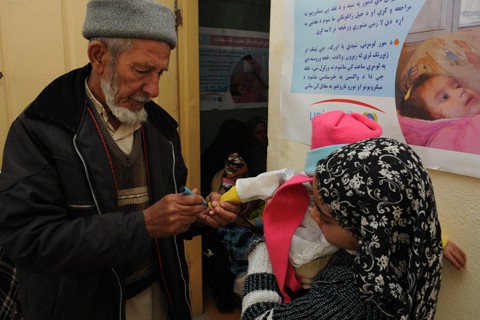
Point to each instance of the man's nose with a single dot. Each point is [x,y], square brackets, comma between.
[151,87]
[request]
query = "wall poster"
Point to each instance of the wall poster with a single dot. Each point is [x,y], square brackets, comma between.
[233,69]
[352,56]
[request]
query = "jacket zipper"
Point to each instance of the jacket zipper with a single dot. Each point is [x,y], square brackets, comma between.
[99,213]
[185,285]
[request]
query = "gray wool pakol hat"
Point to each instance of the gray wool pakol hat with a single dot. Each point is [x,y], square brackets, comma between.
[134,19]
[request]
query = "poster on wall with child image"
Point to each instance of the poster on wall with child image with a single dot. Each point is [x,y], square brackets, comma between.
[233,69]
[396,61]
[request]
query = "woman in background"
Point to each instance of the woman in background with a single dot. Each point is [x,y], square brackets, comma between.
[256,148]
[231,138]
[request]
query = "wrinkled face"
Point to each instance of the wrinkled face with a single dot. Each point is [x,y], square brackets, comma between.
[446,97]
[133,79]
[333,232]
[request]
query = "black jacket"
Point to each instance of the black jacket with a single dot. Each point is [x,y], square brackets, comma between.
[58,218]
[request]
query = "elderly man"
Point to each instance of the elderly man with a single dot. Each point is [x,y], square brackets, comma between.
[90,209]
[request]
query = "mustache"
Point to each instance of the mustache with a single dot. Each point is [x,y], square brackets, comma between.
[142,99]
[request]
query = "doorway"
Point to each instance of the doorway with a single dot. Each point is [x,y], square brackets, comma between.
[247,15]
[229,60]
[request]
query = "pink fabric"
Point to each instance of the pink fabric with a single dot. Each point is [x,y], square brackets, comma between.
[290,202]
[460,135]
[281,217]
[338,127]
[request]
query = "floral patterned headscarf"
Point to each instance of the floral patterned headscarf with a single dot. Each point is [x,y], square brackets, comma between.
[380,191]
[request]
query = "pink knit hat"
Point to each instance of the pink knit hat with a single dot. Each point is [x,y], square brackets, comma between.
[290,203]
[334,129]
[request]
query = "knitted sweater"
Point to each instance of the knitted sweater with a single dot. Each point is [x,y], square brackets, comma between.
[132,195]
[333,294]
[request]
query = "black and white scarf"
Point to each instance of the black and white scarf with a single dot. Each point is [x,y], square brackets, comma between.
[380,191]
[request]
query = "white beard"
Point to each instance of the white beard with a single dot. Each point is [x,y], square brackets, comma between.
[124,115]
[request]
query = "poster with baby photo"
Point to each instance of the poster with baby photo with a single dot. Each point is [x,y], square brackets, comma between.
[233,69]
[412,66]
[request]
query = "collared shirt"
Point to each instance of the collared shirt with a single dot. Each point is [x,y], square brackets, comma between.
[123,136]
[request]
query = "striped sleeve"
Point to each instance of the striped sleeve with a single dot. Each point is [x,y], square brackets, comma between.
[333,294]
[260,291]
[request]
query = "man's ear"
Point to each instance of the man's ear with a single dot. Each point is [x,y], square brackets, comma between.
[98,56]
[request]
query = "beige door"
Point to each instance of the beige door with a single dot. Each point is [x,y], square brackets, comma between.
[40,40]
[189,121]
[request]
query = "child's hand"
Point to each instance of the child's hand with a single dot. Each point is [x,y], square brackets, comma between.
[267,201]
[473,58]
[455,255]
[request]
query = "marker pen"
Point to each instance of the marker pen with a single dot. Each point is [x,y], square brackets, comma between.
[191,193]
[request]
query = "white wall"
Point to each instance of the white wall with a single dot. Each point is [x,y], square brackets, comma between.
[457,196]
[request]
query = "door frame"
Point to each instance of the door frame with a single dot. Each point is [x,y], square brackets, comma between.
[189,128]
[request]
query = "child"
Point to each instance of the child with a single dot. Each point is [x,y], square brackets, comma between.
[374,200]
[231,137]
[300,250]
[440,112]
[235,168]
[295,265]
[225,247]
[433,97]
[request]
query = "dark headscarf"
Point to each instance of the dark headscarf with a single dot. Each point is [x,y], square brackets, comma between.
[380,191]
[256,151]
[231,137]
[251,126]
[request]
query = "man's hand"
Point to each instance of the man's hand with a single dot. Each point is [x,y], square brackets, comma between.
[173,214]
[221,213]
